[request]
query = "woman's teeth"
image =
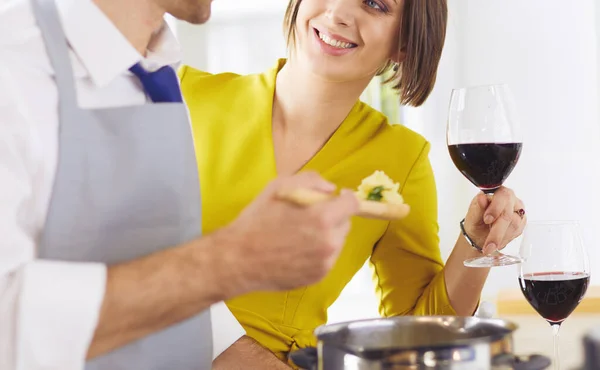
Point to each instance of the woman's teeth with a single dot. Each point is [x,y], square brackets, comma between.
[335,43]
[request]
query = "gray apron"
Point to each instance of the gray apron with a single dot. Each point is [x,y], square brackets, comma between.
[126,186]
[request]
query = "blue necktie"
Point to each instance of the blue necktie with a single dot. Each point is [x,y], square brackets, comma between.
[162,85]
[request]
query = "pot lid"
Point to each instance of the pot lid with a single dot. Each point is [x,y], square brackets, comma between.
[413,332]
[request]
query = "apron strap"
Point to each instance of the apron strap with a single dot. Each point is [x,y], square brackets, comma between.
[56,43]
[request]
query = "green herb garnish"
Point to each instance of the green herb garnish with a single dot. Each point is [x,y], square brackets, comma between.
[376,194]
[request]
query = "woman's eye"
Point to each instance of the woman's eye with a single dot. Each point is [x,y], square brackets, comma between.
[374,4]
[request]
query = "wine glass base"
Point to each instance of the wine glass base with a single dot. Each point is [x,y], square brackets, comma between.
[492,261]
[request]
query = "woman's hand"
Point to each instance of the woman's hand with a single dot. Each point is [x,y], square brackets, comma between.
[494,221]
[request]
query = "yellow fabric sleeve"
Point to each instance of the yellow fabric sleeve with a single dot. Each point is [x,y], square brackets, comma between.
[407,263]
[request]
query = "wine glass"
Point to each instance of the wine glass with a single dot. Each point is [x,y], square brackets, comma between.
[484,141]
[555,272]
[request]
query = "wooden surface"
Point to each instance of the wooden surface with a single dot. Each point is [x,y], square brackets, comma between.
[535,334]
[366,208]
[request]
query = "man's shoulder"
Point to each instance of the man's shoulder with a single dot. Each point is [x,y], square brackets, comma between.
[17,23]
[22,46]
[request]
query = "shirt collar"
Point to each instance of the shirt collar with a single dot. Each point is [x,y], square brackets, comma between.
[103,50]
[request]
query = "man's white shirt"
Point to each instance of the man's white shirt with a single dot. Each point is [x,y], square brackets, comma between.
[49,309]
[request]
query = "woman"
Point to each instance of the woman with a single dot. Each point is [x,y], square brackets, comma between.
[305,114]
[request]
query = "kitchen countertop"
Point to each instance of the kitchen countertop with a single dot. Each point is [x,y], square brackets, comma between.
[534,335]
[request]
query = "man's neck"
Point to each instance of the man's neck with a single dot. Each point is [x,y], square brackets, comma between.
[136,19]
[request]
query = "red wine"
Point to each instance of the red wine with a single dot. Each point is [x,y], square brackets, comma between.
[486,165]
[554,295]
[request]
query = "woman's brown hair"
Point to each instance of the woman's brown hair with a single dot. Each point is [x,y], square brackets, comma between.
[422,39]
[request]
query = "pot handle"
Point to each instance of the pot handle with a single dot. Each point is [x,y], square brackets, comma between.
[305,358]
[532,362]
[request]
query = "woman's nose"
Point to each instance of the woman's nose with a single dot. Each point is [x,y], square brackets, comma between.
[340,12]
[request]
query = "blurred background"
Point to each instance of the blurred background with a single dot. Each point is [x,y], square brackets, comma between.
[546,50]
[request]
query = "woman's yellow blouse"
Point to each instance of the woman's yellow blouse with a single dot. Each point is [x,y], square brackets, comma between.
[231,119]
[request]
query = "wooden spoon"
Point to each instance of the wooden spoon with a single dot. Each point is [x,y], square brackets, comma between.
[367,208]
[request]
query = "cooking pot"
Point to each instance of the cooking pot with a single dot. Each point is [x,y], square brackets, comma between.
[417,343]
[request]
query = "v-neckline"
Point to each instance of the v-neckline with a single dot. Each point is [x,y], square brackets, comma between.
[326,156]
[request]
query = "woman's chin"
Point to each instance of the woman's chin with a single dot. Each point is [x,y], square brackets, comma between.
[328,71]
[336,69]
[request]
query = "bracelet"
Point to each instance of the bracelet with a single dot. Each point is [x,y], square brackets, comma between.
[468,238]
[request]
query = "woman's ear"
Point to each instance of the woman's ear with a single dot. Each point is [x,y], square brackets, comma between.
[397,59]
[399,56]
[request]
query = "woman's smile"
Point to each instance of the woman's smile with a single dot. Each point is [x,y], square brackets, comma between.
[333,44]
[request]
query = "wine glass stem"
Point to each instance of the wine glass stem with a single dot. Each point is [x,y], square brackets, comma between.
[555,329]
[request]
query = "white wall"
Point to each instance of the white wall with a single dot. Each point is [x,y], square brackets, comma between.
[547,53]
[238,38]
[597,6]
[545,50]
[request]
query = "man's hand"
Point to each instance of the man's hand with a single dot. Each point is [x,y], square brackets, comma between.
[247,354]
[276,245]
[272,245]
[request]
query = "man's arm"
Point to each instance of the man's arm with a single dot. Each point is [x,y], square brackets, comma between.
[247,354]
[55,314]
[298,245]
[176,284]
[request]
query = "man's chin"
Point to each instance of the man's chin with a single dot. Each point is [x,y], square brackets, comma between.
[201,16]
[197,14]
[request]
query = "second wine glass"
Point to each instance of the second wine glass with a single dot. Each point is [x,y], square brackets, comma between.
[555,271]
[484,140]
